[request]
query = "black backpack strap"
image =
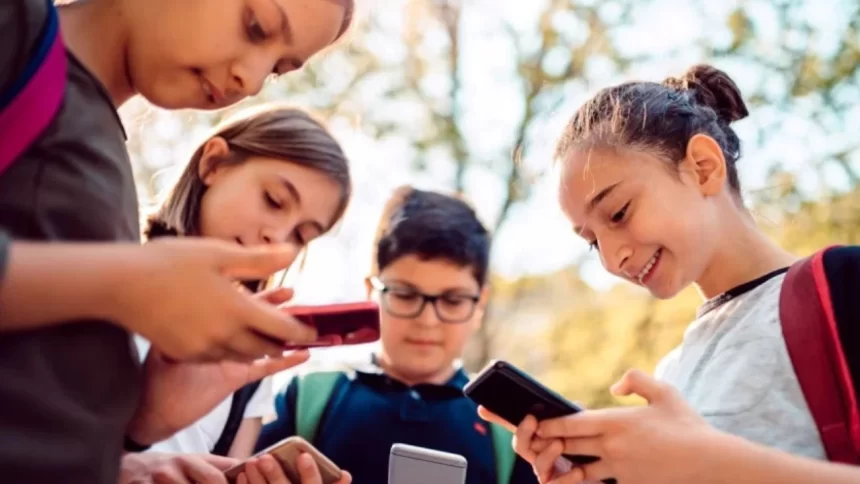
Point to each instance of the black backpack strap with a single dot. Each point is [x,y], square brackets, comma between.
[842,269]
[234,419]
[842,266]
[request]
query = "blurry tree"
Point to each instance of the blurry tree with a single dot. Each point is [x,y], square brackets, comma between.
[472,90]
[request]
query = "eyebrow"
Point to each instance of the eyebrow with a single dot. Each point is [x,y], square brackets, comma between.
[286,28]
[592,204]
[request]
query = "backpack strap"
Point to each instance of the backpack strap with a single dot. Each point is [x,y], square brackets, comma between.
[504,453]
[314,392]
[28,108]
[814,346]
[239,403]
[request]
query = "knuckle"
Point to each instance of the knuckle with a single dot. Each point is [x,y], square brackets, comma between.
[162,474]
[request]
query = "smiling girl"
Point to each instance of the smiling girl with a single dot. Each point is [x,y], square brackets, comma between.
[650,180]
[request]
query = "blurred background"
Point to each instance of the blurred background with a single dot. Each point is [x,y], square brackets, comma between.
[468,97]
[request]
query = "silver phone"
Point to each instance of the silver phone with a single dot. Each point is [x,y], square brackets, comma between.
[408,464]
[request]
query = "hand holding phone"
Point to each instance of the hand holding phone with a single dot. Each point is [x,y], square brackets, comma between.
[512,394]
[286,453]
[338,324]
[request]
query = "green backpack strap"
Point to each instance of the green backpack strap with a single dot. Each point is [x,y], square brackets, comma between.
[314,392]
[504,452]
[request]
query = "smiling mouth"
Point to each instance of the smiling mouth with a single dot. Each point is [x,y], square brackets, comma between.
[212,94]
[646,271]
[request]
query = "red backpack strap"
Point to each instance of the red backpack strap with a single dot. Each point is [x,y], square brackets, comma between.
[812,337]
[36,96]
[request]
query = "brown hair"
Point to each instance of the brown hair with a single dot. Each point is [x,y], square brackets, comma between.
[284,133]
[663,117]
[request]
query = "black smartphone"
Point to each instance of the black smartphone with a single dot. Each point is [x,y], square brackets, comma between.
[512,394]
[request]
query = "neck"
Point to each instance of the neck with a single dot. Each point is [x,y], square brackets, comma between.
[745,254]
[438,378]
[94,31]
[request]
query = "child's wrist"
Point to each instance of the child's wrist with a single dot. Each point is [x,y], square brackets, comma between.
[116,282]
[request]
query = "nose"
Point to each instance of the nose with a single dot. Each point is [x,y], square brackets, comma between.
[428,316]
[248,74]
[275,235]
[615,255]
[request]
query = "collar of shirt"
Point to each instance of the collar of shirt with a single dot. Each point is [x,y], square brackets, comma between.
[374,377]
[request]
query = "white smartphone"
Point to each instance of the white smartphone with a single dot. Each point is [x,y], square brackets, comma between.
[408,464]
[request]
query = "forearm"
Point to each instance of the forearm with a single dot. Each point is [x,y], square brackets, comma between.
[743,461]
[46,284]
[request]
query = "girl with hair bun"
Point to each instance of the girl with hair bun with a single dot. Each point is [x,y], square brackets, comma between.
[650,180]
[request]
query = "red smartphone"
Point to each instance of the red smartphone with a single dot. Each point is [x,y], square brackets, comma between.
[339,324]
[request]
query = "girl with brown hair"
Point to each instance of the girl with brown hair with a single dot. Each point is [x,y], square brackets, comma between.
[269,176]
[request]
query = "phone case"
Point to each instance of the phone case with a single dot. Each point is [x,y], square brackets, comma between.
[286,452]
[408,464]
[339,324]
[512,394]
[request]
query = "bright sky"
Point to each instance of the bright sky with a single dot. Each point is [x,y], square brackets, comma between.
[536,238]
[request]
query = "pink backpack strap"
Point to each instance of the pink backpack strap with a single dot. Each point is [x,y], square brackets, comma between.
[811,335]
[33,108]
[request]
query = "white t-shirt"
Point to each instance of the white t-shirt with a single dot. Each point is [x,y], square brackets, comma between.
[201,436]
[733,368]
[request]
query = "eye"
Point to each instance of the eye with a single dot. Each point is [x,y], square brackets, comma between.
[618,217]
[254,29]
[404,295]
[454,301]
[271,201]
[302,239]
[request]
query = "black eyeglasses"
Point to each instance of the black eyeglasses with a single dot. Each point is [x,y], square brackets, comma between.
[404,302]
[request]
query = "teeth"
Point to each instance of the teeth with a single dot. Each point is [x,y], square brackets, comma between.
[207,91]
[649,266]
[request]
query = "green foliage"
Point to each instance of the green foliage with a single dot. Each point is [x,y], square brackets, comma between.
[410,72]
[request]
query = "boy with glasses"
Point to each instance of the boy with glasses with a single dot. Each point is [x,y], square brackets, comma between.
[429,277]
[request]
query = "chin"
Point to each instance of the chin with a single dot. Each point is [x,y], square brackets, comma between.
[666,291]
[167,95]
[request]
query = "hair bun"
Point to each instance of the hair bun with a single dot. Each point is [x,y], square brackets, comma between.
[713,88]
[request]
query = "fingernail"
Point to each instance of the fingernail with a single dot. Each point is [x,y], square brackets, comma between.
[306,462]
[267,465]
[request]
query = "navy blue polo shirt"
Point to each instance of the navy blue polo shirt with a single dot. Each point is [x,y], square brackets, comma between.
[371,411]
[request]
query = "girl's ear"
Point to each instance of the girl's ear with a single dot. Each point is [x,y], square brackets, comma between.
[214,150]
[706,162]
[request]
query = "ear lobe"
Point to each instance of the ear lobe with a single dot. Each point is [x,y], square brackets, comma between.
[708,164]
[214,149]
